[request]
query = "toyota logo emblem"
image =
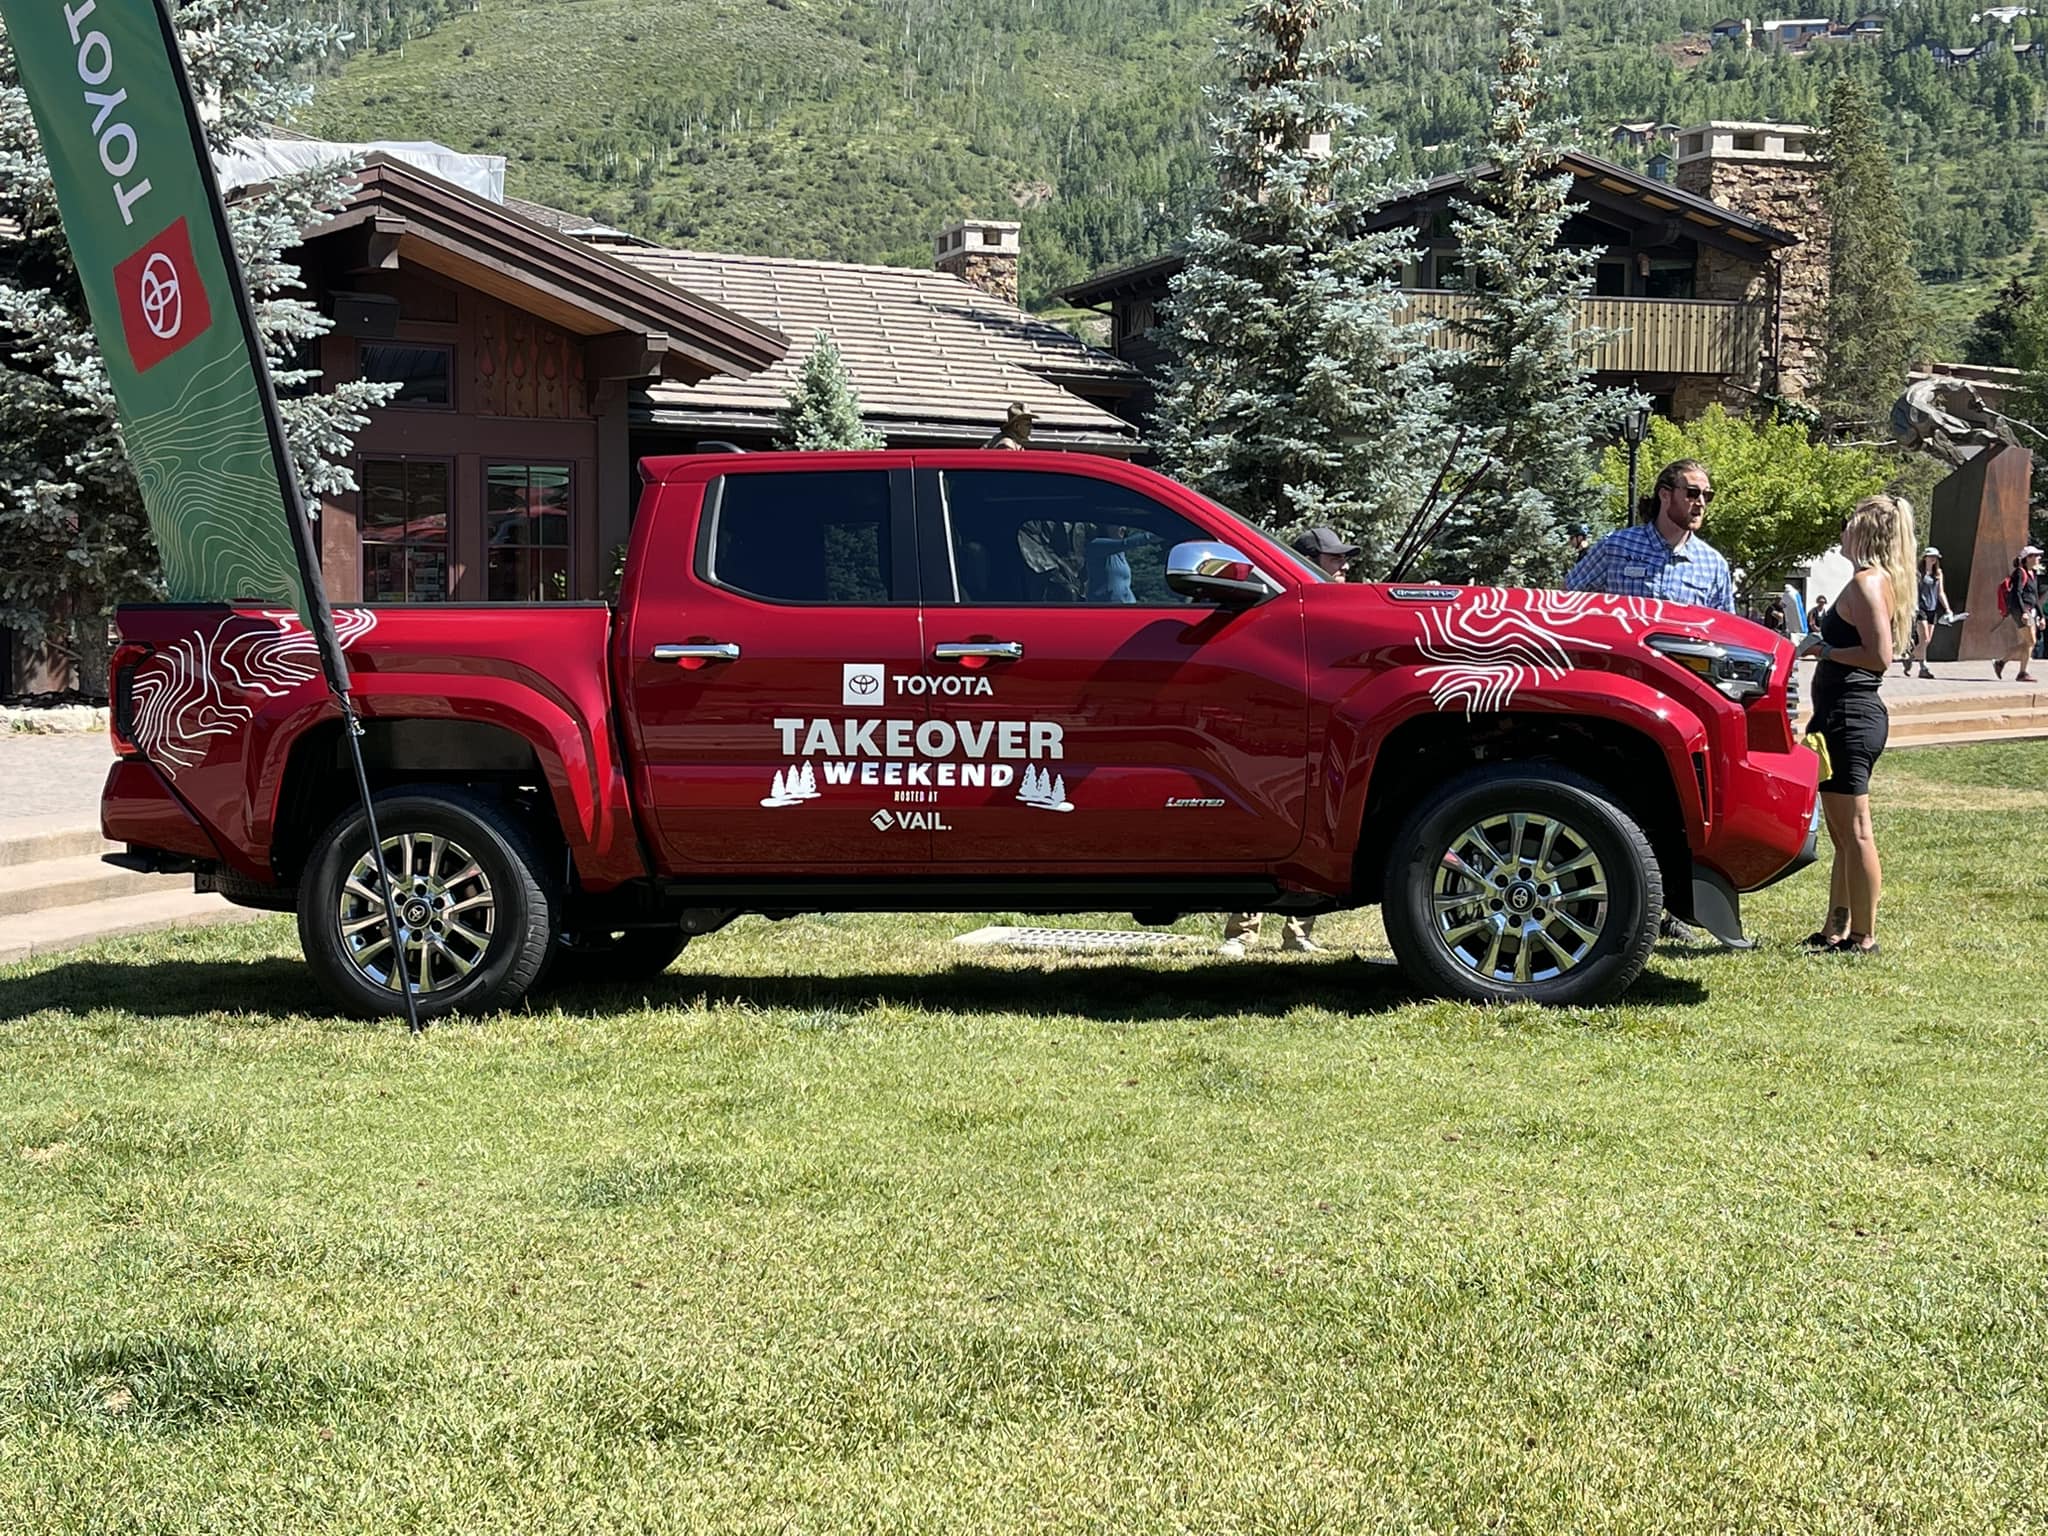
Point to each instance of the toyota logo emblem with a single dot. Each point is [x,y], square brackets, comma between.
[161,308]
[864,682]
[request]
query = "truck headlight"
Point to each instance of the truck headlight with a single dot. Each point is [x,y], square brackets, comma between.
[1736,670]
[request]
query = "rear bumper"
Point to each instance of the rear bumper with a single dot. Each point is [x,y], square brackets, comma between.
[138,808]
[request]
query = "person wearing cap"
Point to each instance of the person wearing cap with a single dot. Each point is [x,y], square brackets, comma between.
[1322,547]
[1931,604]
[2022,612]
[1578,536]
[1328,553]
[1015,432]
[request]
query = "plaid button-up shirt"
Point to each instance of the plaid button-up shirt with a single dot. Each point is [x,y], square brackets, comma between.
[1636,562]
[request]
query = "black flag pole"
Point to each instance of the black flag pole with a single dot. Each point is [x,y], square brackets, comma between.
[318,612]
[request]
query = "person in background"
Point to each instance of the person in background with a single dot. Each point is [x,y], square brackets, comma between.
[1578,536]
[1870,623]
[2022,613]
[1327,552]
[1774,616]
[1333,557]
[1663,556]
[1015,432]
[1818,612]
[1929,605]
[1109,565]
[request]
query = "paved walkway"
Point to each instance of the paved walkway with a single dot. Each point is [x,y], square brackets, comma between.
[53,776]
[1968,681]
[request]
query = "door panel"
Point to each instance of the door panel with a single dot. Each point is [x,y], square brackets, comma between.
[1131,727]
[777,757]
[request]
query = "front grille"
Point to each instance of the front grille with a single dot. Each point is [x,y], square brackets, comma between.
[1792,696]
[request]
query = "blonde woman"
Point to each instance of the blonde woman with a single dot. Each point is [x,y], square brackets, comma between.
[1870,623]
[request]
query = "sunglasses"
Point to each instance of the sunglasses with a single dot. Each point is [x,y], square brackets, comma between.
[1694,492]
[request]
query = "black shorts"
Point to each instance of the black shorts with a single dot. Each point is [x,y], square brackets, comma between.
[1929,615]
[1855,724]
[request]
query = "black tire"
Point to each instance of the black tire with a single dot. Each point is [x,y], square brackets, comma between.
[592,957]
[499,923]
[1474,948]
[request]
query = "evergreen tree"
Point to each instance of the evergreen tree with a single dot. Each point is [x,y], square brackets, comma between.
[71,518]
[1298,395]
[1873,299]
[821,410]
[1523,378]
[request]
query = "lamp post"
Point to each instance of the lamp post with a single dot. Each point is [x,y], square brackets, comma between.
[1635,426]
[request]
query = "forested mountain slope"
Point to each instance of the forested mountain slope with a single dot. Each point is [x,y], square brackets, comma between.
[853,128]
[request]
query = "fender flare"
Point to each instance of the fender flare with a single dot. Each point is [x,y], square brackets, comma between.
[1361,723]
[585,778]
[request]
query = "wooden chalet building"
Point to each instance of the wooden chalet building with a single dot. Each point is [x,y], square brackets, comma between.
[1712,285]
[540,355]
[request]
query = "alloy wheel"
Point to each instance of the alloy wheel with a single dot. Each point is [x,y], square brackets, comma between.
[1519,897]
[447,913]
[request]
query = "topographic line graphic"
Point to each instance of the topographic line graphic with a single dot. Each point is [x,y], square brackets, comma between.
[210,484]
[204,685]
[1490,647]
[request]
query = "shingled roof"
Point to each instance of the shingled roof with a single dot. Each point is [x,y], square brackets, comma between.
[933,357]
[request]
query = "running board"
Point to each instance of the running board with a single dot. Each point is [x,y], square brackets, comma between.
[943,893]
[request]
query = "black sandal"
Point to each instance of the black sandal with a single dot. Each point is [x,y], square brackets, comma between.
[1849,946]
[1818,941]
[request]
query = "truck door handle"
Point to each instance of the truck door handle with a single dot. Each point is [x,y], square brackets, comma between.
[725,651]
[980,650]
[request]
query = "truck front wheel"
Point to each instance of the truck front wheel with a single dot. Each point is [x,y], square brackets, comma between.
[1522,884]
[476,920]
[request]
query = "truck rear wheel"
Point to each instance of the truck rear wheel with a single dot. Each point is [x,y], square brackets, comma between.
[1523,884]
[475,916]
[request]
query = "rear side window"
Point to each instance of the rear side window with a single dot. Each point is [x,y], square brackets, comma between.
[824,537]
[1030,537]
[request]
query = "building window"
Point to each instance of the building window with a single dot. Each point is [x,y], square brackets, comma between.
[404,529]
[425,376]
[1747,141]
[526,533]
[1137,318]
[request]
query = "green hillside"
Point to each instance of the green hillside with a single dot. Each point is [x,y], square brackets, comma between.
[854,128]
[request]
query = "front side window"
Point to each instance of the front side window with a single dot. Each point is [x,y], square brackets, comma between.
[526,533]
[404,527]
[803,537]
[1029,536]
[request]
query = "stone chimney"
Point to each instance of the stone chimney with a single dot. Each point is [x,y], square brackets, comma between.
[983,252]
[1771,172]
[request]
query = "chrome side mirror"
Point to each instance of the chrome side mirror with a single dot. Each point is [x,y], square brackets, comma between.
[1217,573]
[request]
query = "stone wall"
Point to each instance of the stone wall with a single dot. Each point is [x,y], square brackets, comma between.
[1786,194]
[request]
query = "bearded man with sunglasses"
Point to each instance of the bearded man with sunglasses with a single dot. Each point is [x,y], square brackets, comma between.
[1663,555]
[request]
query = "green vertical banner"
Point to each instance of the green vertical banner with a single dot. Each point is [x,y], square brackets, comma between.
[148,234]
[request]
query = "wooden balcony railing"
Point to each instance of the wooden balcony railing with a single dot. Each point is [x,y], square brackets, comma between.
[1700,336]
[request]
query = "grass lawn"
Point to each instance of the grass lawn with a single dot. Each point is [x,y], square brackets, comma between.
[836,1229]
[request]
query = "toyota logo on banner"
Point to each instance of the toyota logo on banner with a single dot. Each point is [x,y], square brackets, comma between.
[160,296]
[163,302]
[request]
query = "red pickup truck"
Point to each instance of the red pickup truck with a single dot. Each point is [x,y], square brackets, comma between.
[962,681]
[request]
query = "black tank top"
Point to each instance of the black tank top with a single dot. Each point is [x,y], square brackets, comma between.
[1832,679]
